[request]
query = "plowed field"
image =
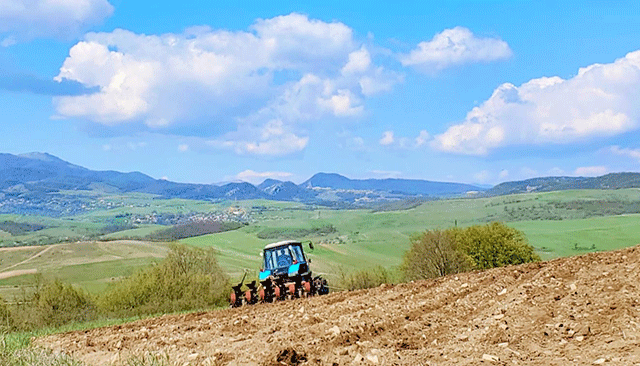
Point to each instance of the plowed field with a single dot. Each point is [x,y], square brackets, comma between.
[571,311]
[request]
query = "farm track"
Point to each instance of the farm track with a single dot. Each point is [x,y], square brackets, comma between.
[581,310]
[40,253]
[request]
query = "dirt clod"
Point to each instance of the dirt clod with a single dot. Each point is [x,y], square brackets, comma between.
[290,356]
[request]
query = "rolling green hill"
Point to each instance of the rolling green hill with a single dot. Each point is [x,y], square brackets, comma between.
[562,223]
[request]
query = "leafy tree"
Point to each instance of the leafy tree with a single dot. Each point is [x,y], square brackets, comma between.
[441,252]
[494,245]
[434,253]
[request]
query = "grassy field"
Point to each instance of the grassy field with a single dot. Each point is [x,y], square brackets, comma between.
[556,224]
[572,237]
[91,265]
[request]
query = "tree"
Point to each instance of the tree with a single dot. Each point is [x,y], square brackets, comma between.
[494,245]
[434,253]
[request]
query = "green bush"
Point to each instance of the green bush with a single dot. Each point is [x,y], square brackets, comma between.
[366,278]
[188,278]
[494,245]
[5,317]
[284,232]
[434,253]
[52,303]
[438,253]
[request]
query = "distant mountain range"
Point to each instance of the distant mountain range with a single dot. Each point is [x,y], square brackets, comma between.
[548,184]
[29,182]
[35,175]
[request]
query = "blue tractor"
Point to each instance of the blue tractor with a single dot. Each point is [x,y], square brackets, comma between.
[285,275]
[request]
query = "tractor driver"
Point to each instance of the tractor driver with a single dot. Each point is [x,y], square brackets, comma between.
[284,258]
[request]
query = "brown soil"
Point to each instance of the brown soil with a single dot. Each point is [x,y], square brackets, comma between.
[571,311]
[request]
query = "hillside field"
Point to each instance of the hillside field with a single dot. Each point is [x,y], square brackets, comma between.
[581,310]
[557,224]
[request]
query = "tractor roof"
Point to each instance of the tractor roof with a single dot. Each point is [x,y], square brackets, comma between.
[281,243]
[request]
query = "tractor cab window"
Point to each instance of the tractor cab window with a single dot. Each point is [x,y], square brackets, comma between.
[278,257]
[297,253]
[270,260]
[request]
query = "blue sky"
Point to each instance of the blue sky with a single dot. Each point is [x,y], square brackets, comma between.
[201,91]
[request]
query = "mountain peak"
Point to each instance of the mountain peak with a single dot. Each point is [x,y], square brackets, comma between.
[40,156]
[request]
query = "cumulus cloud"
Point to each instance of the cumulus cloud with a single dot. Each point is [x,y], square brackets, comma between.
[258,177]
[387,138]
[591,171]
[600,101]
[27,19]
[422,138]
[630,153]
[273,139]
[173,82]
[454,47]
[404,143]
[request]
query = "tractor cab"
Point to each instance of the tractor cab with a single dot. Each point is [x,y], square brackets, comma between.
[285,258]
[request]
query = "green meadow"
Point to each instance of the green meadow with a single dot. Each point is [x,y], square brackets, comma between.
[556,224]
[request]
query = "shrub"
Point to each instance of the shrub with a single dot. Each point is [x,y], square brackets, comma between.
[5,317]
[283,232]
[188,278]
[438,253]
[53,303]
[434,253]
[366,278]
[494,245]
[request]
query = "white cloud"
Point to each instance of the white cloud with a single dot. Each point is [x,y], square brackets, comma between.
[631,153]
[258,177]
[404,143]
[223,81]
[422,138]
[527,172]
[272,140]
[453,47]
[591,171]
[27,19]
[504,173]
[8,42]
[383,174]
[555,171]
[183,147]
[482,176]
[355,144]
[600,101]
[359,62]
[122,145]
[387,138]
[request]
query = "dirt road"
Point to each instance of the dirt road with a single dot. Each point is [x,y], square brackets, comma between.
[570,311]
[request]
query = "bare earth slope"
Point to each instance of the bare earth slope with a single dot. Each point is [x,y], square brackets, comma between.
[570,311]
